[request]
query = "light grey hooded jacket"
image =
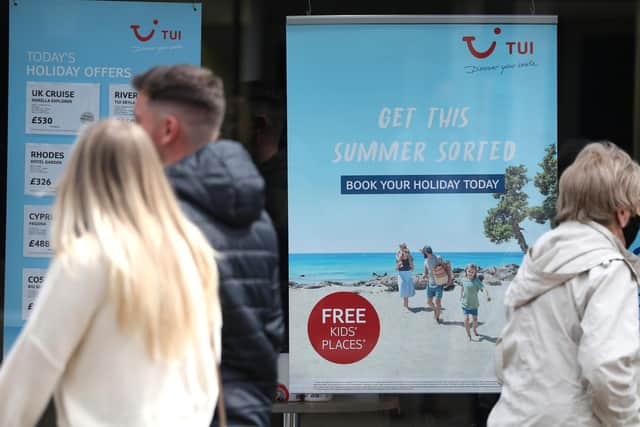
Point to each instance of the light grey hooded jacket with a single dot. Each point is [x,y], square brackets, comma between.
[568,355]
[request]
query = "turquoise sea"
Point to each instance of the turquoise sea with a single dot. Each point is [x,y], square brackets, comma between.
[353,267]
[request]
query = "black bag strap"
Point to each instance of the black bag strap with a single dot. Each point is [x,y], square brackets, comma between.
[222,413]
[220,409]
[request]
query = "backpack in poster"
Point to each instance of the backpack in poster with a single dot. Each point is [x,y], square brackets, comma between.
[442,273]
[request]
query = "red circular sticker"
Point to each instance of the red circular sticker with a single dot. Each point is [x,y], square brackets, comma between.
[343,327]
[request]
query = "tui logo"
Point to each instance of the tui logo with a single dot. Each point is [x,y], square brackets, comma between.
[140,37]
[481,54]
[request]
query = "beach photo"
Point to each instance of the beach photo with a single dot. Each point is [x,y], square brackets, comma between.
[411,344]
[437,291]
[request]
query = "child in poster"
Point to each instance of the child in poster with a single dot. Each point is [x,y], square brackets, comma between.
[471,286]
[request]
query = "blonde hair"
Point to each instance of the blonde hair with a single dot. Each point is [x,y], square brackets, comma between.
[404,249]
[115,194]
[602,179]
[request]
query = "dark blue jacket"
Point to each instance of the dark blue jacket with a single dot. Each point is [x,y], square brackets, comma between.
[221,191]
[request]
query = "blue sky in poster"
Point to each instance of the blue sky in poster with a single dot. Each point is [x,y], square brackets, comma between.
[77,41]
[340,78]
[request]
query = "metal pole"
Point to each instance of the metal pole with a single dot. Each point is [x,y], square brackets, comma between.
[237,45]
[290,419]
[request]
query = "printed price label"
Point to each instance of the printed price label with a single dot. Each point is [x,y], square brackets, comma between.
[37,222]
[38,243]
[40,181]
[39,120]
[61,108]
[32,280]
[43,166]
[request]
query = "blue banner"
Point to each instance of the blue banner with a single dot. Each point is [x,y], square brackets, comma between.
[71,63]
[412,141]
[421,184]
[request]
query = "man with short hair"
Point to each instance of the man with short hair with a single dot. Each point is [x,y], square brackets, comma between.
[267,146]
[434,290]
[182,107]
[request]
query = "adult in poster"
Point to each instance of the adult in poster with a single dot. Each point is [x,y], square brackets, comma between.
[437,276]
[405,266]
[434,131]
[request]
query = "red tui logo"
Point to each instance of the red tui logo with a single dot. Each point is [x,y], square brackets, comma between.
[479,54]
[140,37]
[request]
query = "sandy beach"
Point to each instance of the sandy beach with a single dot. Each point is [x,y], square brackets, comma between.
[413,353]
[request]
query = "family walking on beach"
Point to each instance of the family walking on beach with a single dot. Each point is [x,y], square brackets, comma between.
[438,274]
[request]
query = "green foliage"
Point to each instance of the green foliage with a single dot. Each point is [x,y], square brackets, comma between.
[546,182]
[503,222]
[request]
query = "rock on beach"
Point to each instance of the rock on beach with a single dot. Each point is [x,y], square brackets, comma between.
[491,276]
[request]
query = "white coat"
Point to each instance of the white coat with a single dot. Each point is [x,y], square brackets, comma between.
[568,355]
[99,375]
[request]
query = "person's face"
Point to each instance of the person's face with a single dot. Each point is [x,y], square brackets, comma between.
[146,117]
[471,272]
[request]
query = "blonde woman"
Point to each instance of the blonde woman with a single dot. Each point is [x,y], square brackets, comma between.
[404,265]
[126,330]
[568,355]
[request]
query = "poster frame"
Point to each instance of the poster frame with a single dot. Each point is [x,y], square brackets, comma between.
[453,386]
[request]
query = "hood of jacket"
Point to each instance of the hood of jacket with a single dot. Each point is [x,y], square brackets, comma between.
[561,254]
[222,181]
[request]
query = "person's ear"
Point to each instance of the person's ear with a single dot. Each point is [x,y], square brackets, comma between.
[622,217]
[170,129]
